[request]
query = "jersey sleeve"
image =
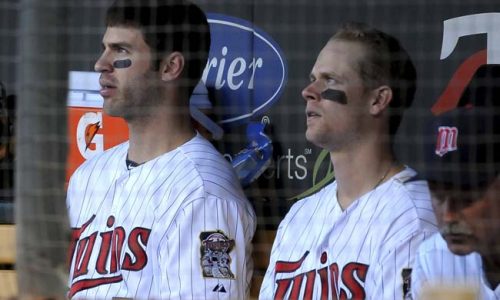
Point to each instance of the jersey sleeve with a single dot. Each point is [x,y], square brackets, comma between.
[390,277]
[418,277]
[207,251]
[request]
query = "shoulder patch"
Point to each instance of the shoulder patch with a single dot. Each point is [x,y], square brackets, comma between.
[215,259]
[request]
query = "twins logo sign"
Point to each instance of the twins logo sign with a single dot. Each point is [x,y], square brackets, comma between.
[467,85]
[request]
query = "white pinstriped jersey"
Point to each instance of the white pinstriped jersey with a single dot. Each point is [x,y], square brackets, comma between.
[177,226]
[366,251]
[435,264]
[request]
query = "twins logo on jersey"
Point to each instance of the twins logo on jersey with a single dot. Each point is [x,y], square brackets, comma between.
[104,249]
[352,276]
[215,258]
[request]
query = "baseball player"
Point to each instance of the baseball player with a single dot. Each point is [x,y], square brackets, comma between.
[356,238]
[463,172]
[161,216]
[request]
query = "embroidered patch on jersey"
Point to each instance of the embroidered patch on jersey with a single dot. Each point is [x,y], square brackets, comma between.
[215,258]
[406,275]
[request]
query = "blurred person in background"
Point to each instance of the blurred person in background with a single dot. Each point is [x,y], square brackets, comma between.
[462,167]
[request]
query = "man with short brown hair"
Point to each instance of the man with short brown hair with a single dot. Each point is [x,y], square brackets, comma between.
[356,238]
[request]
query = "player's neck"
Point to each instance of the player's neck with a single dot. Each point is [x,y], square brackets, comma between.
[159,133]
[491,267]
[359,173]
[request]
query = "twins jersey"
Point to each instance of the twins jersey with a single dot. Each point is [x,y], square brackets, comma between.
[436,265]
[365,251]
[177,226]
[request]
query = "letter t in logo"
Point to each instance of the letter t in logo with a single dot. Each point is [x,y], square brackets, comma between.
[473,24]
[455,28]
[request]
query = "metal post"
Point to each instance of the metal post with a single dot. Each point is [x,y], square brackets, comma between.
[41,217]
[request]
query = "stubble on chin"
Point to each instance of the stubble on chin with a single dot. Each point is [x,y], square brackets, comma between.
[109,109]
[116,107]
[137,100]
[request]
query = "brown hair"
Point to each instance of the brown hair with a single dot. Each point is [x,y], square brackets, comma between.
[167,25]
[386,63]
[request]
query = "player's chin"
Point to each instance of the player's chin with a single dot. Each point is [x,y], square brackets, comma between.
[309,135]
[461,244]
[313,136]
[112,109]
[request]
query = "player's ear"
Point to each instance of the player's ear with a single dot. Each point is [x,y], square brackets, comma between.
[381,97]
[172,66]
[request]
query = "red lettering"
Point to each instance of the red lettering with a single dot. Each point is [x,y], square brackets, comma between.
[283,285]
[288,267]
[353,276]
[136,237]
[355,287]
[108,255]
[446,140]
[116,248]
[106,238]
[334,279]
[323,277]
[75,236]
[102,259]
[310,278]
[282,288]
[91,283]
[84,251]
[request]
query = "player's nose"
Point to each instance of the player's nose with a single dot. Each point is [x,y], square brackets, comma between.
[450,212]
[311,92]
[103,63]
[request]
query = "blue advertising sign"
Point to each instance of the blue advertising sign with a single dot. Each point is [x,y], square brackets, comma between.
[246,71]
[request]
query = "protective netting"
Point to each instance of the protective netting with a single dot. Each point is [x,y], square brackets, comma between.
[261,56]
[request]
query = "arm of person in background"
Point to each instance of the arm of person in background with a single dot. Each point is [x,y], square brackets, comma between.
[391,276]
[418,276]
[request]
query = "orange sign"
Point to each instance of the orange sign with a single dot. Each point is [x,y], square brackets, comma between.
[91,132]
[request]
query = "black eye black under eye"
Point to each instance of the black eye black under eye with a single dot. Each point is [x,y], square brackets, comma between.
[122,63]
[334,95]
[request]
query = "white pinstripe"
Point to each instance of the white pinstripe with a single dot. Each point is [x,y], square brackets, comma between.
[175,197]
[381,230]
[435,264]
